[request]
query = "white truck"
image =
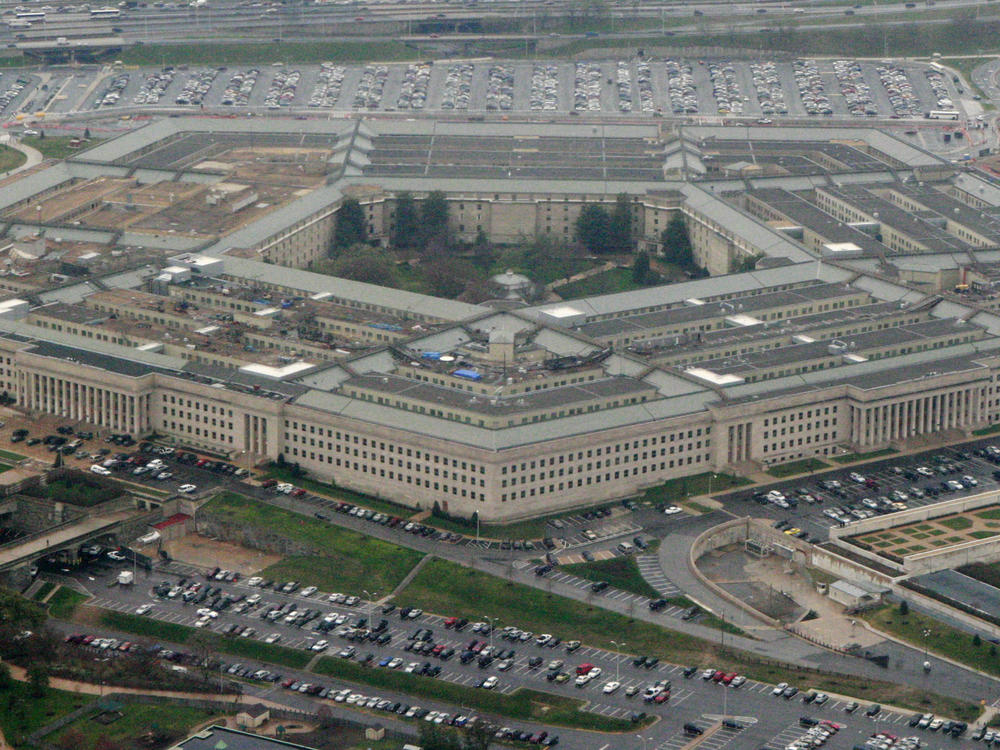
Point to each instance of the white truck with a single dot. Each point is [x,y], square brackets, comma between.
[126,578]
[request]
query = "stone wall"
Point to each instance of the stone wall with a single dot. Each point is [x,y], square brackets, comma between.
[210,524]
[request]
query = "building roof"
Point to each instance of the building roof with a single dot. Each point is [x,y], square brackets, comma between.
[222,738]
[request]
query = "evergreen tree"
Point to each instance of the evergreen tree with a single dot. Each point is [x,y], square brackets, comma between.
[641,272]
[904,608]
[677,243]
[434,219]
[620,225]
[407,232]
[351,229]
[593,228]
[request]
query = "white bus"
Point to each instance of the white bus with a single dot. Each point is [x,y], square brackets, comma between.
[942,114]
[30,16]
[105,13]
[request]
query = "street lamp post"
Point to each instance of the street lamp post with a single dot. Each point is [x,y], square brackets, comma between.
[372,596]
[643,740]
[492,622]
[621,648]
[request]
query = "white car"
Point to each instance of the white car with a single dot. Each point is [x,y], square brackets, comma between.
[143,609]
[671,510]
[779,688]
[582,680]
[396,663]
[336,598]
[253,598]
[116,556]
[319,646]
[255,581]
[98,469]
[273,638]
[202,622]
[308,591]
[206,612]
[737,681]
[187,489]
[490,682]
[611,687]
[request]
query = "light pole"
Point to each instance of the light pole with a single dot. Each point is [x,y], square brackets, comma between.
[643,740]
[621,648]
[492,622]
[476,514]
[372,595]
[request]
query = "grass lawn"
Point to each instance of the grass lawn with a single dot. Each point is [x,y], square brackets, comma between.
[167,631]
[986,572]
[607,282]
[53,146]
[8,456]
[532,528]
[347,561]
[80,490]
[64,602]
[956,523]
[677,490]
[21,713]
[993,428]
[850,458]
[446,588]
[621,572]
[10,158]
[989,513]
[137,719]
[797,467]
[521,704]
[43,591]
[943,639]
[982,534]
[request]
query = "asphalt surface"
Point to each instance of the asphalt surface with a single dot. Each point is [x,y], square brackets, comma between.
[767,720]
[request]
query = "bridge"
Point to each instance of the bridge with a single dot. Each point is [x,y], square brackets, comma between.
[65,536]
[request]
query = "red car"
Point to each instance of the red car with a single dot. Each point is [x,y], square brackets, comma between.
[662,697]
[450,622]
[728,678]
[584,668]
[718,676]
[267,483]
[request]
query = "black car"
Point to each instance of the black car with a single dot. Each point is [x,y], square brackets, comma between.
[873,710]
[690,671]
[598,586]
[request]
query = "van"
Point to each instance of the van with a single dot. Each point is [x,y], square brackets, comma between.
[625,548]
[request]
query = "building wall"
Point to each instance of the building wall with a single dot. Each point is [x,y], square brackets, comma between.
[418,469]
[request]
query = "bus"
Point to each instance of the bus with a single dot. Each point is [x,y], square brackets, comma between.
[30,16]
[18,25]
[105,13]
[942,114]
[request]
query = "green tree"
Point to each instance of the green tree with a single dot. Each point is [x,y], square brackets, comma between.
[433,737]
[641,271]
[976,640]
[746,263]
[434,220]
[38,679]
[620,225]
[593,228]
[361,263]
[351,229]
[479,736]
[5,679]
[448,277]
[677,243]
[904,608]
[407,223]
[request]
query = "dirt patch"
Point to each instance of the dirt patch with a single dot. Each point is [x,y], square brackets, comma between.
[195,549]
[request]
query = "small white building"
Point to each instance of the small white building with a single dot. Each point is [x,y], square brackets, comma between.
[854,595]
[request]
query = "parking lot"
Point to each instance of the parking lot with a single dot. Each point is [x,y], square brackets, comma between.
[835,498]
[685,87]
[389,637]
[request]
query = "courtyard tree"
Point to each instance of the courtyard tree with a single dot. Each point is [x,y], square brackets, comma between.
[593,228]
[351,229]
[620,225]
[362,263]
[434,220]
[406,232]
[677,243]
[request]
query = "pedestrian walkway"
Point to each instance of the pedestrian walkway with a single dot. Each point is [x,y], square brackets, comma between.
[652,573]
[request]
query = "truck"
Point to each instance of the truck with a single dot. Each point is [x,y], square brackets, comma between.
[126,578]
